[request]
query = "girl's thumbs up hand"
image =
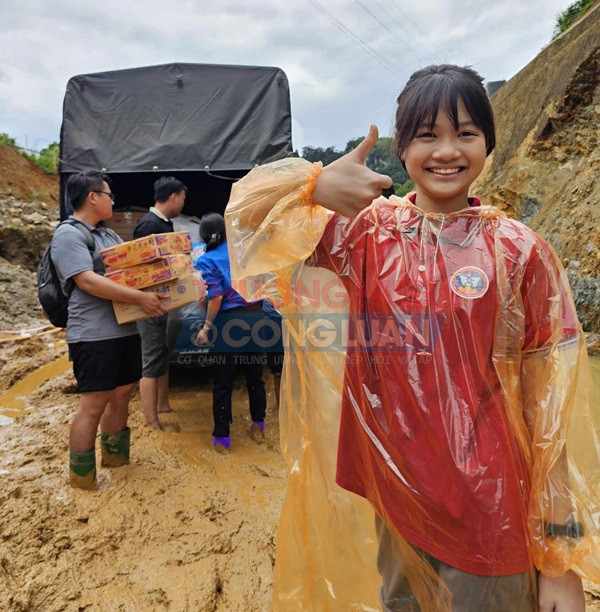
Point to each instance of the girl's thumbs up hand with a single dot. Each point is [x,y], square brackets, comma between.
[347,186]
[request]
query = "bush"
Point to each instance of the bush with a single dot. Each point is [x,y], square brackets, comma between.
[570,14]
[46,159]
[5,139]
[404,188]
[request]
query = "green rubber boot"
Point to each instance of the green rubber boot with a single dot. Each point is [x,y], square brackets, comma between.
[82,470]
[115,448]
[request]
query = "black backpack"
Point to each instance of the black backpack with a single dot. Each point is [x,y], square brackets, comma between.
[54,302]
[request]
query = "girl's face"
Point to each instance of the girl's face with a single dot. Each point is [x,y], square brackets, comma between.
[444,161]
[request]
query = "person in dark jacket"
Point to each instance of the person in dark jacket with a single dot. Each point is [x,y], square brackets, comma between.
[169,198]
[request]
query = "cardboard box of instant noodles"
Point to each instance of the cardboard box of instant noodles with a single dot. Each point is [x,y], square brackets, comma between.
[145,250]
[158,271]
[179,292]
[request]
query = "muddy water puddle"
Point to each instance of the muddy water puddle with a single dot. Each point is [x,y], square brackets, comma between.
[184,399]
[180,528]
[187,431]
[13,402]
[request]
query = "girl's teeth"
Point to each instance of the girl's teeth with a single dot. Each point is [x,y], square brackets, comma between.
[445,170]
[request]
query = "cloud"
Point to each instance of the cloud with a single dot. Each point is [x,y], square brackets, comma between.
[340,80]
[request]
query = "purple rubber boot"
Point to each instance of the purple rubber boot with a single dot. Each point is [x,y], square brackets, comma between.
[257,431]
[222,444]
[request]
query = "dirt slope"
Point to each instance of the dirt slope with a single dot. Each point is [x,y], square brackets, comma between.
[545,167]
[24,180]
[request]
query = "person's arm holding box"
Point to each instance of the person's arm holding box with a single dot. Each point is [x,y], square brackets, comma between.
[95,284]
[74,262]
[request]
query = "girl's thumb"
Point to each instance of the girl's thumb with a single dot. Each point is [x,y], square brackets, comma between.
[366,146]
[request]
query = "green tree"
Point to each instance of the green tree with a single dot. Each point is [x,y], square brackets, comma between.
[48,158]
[313,154]
[402,190]
[381,159]
[566,18]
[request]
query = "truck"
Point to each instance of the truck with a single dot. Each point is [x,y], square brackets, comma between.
[206,124]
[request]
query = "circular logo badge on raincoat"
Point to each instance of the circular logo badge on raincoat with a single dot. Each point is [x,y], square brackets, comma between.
[469,282]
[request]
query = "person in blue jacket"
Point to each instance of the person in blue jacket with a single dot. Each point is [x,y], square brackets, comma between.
[224,307]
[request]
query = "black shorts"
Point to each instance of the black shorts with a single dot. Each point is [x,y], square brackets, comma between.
[104,365]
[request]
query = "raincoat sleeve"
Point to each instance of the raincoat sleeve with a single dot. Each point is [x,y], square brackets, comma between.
[563,425]
[273,225]
[286,248]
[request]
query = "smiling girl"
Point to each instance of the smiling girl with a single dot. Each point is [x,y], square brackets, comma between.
[465,419]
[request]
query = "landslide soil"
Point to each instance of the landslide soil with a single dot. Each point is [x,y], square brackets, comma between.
[25,181]
[180,528]
[544,169]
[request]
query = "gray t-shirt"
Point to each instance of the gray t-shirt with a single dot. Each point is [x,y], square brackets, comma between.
[90,318]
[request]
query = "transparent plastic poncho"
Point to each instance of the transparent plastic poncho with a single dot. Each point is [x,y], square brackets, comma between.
[436,385]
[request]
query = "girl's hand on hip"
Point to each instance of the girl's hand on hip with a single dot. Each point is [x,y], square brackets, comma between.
[347,186]
[561,594]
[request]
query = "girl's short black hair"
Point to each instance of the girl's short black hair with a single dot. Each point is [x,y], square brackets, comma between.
[212,230]
[444,85]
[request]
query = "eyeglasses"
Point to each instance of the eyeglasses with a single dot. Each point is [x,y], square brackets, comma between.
[108,193]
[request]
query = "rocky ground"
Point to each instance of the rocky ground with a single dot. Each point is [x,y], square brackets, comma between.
[25,231]
[19,306]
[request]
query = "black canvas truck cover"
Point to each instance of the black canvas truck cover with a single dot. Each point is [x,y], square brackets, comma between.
[174,117]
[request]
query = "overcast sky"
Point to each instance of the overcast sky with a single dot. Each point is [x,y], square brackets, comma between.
[346,60]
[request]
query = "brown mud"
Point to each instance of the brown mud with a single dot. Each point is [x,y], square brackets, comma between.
[180,528]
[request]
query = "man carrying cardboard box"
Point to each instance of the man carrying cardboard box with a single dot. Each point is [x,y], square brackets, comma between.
[157,344]
[106,356]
